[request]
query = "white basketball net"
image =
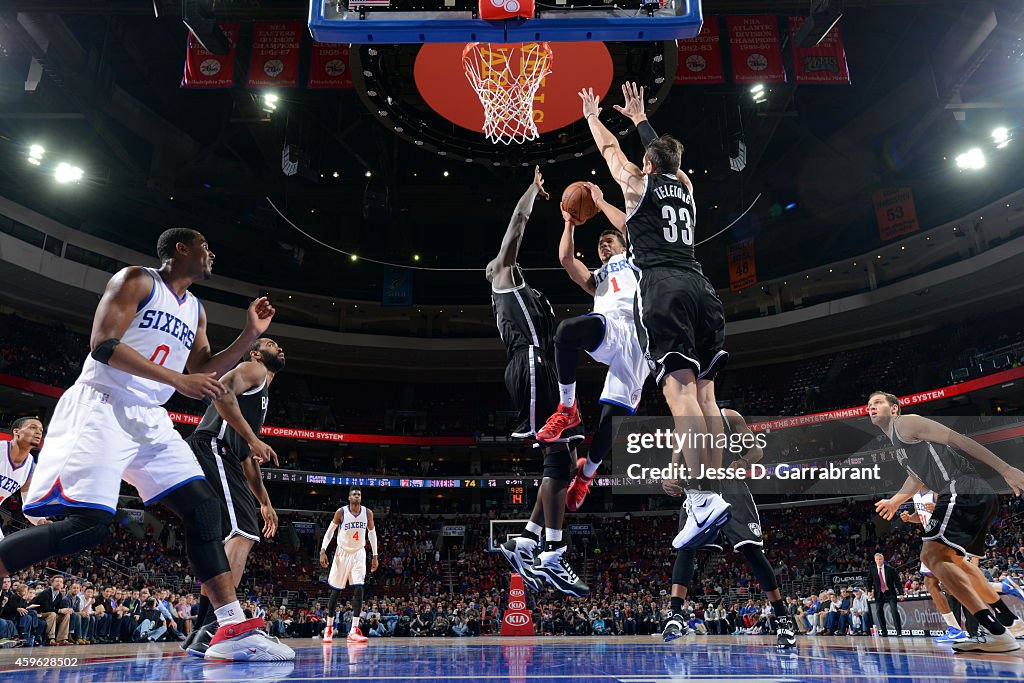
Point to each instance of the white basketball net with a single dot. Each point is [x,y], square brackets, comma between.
[506,79]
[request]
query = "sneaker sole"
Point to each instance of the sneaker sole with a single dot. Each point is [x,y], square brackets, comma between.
[567,591]
[674,636]
[701,539]
[555,438]
[528,578]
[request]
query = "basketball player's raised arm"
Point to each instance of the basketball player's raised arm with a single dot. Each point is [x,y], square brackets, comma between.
[118,306]
[243,377]
[501,266]
[203,360]
[887,507]
[578,271]
[923,429]
[614,214]
[254,478]
[627,174]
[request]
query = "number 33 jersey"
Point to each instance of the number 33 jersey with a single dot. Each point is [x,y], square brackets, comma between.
[162,331]
[662,225]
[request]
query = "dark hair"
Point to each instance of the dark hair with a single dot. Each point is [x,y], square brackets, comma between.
[20,422]
[891,399]
[613,231]
[167,243]
[354,489]
[665,154]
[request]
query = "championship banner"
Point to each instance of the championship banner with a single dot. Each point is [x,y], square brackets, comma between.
[204,69]
[275,54]
[895,212]
[823,63]
[329,66]
[397,287]
[742,268]
[754,46]
[700,57]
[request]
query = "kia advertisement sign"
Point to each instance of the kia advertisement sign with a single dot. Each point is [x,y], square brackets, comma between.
[517,619]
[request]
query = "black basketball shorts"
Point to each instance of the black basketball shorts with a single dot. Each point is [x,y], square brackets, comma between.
[680,323]
[532,384]
[744,525]
[240,515]
[962,521]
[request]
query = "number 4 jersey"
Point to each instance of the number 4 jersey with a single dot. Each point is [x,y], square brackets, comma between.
[163,331]
[660,229]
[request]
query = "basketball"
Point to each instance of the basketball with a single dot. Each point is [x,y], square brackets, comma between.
[577,202]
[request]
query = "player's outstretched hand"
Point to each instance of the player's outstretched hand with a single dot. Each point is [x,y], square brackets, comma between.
[590,102]
[259,315]
[200,385]
[323,559]
[672,487]
[262,452]
[1015,478]
[269,520]
[633,108]
[886,508]
[538,180]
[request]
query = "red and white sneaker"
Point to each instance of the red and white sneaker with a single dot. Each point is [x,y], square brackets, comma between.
[356,636]
[247,642]
[579,487]
[564,418]
[328,633]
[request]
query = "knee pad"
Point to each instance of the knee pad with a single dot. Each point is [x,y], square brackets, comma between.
[199,510]
[682,570]
[559,465]
[760,567]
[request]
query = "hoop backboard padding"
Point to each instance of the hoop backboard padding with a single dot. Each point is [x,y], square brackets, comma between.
[497,10]
[555,102]
[506,79]
[332,21]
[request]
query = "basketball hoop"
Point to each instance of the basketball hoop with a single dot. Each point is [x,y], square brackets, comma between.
[506,79]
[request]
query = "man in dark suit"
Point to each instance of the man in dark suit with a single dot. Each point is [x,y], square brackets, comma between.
[55,609]
[885,583]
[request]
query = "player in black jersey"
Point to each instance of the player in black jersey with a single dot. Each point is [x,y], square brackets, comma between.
[744,533]
[526,324]
[680,321]
[227,445]
[933,456]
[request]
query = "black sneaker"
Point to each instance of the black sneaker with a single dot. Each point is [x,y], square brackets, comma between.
[675,628]
[786,633]
[201,642]
[519,552]
[559,574]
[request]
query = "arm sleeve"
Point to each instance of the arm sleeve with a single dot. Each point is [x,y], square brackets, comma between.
[328,536]
[371,536]
[647,134]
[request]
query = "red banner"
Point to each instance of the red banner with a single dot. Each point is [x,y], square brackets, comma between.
[700,57]
[823,63]
[895,212]
[742,267]
[754,45]
[275,54]
[329,67]
[206,70]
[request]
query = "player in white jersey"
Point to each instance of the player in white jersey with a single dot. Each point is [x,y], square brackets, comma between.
[924,504]
[110,426]
[16,463]
[607,334]
[354,526]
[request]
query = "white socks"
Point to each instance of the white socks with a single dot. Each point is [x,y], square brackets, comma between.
[230,613]
[589,468]
[553,535]
[568,393]
[950,620]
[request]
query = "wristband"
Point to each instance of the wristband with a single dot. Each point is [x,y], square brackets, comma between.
[589,115]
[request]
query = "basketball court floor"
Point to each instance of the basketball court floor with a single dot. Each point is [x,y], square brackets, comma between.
[638,659]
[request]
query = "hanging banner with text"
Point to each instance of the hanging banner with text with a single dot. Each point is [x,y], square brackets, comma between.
[397,287]
[823,63]
[700,57]
[275,54]
[203,69]
[895,212]
[742,269]
[754,46]
[329,66]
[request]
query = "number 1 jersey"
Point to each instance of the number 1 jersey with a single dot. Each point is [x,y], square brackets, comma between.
[162,331]
[660,229]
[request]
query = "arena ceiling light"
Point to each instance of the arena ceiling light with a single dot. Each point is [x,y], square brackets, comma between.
[35,154]
[758,92]
[66,173]
[1001,136]
[270,101]
[972,159]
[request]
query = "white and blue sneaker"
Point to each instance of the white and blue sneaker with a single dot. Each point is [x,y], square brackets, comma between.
[952,635]
[1011,588]
[706,512]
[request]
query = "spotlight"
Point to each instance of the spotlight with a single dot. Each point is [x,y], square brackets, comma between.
[415,257]
[37,151]
[445,174]
[270,101]
[353,257]
[790,206]
[756,88]
[66,173]
[335,174]
[1001,136]
[368,174]
[973,159]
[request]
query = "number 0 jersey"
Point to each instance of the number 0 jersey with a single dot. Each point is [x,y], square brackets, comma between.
[660,230]
[614,288]
[162,331]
